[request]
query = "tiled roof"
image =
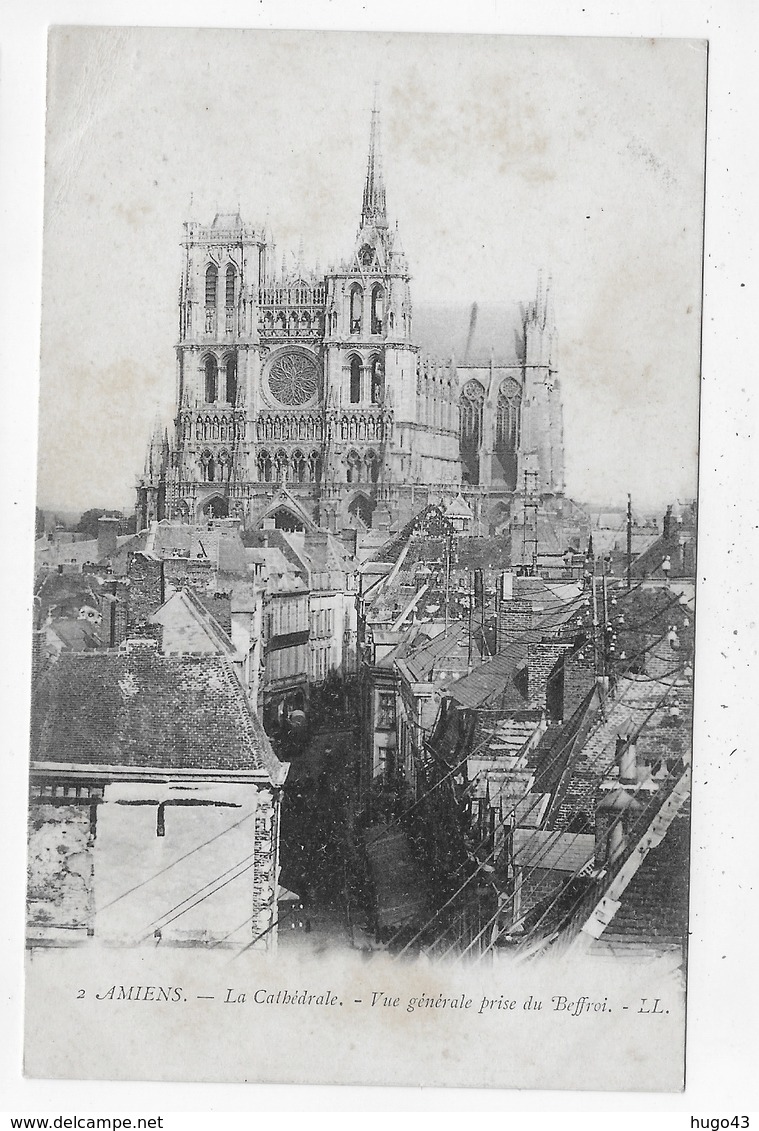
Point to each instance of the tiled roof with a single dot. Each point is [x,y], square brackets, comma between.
[66,593]
[636,705]
[493,683]
[137,708]
[443,652]
[553,851]
[652,916]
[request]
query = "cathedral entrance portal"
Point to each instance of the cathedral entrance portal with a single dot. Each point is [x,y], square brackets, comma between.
[284,519]
[216,507]
[363,508]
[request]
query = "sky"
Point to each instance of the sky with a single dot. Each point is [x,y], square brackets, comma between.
[502,156]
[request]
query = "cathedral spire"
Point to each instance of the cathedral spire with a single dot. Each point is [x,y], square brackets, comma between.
[373,208]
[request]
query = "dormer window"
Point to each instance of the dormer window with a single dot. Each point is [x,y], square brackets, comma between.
[366,256]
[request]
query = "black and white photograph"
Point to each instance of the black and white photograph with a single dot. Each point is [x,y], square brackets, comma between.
[364,593]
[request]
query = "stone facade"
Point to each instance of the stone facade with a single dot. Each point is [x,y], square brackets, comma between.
[318,382]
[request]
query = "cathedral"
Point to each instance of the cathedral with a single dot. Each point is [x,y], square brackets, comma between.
[313,399]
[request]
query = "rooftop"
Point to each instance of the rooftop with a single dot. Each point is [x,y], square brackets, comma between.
[136,708]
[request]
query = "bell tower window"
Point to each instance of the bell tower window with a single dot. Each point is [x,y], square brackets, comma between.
[212,279]
[229,292]
[356,305]
[212,379]
[231,378]
[378,309]
[355,380]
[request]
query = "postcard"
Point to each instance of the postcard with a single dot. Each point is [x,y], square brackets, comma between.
[365,559]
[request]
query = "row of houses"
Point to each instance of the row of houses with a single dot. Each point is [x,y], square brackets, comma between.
[167,667]
[526,743]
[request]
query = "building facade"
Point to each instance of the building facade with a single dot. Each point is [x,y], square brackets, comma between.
[323,383]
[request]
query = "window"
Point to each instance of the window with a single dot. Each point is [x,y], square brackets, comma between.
[378,307]
[385,710]
[229,296]
[231,378]
[212,279]
[355,381]
[356,303]
[212,379]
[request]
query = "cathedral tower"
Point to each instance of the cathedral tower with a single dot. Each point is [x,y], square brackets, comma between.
[303,399]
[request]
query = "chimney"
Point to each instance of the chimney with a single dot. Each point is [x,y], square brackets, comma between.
[507,585]
[107,537]
[627,760]
[616,816]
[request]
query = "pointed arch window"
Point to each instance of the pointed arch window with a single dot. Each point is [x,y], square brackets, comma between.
[230,286]
[356,305]
[470,429]
[231,378]
[355,380]
[378,309]
[508,411]
[212,283]
[212,379]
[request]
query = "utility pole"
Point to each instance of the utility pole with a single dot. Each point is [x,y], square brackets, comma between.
[596,663]
[469,633]
[629,541]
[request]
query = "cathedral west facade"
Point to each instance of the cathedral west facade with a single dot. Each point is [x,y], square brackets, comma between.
[331,400]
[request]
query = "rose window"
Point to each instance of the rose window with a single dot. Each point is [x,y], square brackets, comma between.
[293,379]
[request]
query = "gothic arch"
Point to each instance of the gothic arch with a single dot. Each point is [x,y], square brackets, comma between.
[207,467]
[230,368]
[354,380]
[215,507]
[361,506]
[356,305]
[314,467]
[282,466]
[372,466]
[230,284]
[507,429]
[298,466]
[211,374]
[470,430]
[212,284]
[378,308]
[264,467]
[353,471]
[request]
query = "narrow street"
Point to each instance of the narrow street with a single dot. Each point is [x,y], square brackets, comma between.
[319,861]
